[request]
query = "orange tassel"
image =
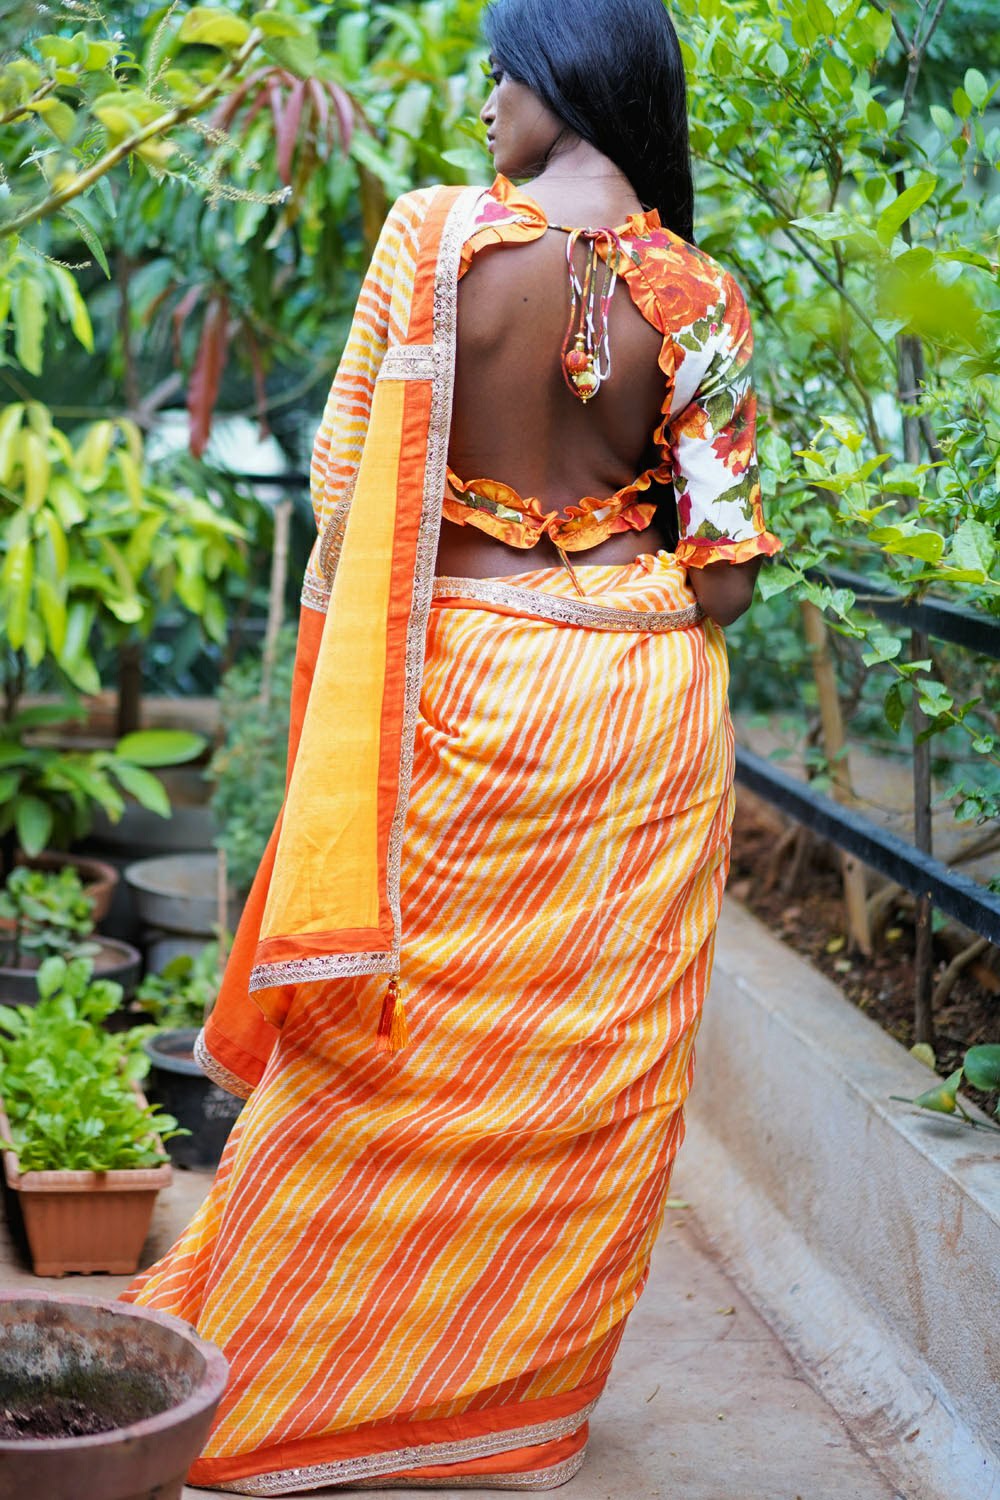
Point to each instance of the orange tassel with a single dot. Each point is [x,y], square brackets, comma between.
[393,1032]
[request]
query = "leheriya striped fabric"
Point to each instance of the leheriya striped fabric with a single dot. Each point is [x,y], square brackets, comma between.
[419,1266]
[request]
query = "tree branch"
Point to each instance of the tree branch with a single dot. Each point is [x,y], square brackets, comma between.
[158,127]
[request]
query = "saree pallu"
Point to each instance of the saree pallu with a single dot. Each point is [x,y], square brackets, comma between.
[420,1265]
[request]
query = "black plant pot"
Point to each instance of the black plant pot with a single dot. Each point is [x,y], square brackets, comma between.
[177,1083]
[116,960]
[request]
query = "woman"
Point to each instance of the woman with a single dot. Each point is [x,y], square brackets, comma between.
[481,937]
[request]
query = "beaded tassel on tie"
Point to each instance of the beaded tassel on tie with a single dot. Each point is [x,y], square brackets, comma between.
[586,350]
[393,1031]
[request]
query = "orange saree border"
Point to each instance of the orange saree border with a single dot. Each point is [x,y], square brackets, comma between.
[404,1447]
[382,568]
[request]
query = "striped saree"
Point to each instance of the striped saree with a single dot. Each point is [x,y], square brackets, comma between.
[419,1263]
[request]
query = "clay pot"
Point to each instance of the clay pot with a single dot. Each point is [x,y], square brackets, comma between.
[98,877]
[116,960]
[81,1221]
[179,894]
[140,1384]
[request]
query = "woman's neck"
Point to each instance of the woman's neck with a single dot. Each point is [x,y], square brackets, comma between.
[580,185]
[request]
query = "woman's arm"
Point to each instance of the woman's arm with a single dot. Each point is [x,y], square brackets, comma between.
[725,590]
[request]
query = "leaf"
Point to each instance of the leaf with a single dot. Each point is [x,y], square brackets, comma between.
[160,747]
[942,1098]
[203,388]
[89,237]
[272,24]
[60,119]
[146,788]
[973,547]
[466,158]
[893,707]
[299,54]
[27,305]
[927,545]
[976,87]
[213,26]
[18,572]
[288,131]
[33,820]
[925,1054]
[892,219]
[37,469]
[775,579]
[943,119]
[982,1064]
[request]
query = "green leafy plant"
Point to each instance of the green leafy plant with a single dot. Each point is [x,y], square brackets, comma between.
[980,1068]
[249,767]
[849,177]
[49,796]
[184,992]
[52,915]
[68,1085]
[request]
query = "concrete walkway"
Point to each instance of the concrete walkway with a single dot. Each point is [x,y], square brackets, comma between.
[704,1402]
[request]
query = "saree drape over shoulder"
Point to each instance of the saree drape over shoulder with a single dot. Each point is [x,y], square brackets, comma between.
[419,1262]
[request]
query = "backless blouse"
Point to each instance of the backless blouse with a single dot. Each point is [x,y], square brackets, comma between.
[706,439]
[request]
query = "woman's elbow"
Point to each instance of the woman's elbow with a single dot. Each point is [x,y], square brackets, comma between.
[725,590]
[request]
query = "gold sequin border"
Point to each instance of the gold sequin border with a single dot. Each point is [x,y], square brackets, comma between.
[323,966]
[370,1466]
[453,237]
[561,611]
[231,1082]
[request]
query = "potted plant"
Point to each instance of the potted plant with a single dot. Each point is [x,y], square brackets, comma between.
[83,1150]
[47,914]
[100,1398]
[249,766]
[178,893]
[177,1001]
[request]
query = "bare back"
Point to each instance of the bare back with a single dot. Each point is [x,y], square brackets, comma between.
[516,421]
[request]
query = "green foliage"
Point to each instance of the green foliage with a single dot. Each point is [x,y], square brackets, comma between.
[184,993]
[67,1084]
[89,541]
[49,796]
[249,767]
[980,1068]
[852,185]
[52,915]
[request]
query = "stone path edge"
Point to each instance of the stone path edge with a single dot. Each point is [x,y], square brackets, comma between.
[868,1236]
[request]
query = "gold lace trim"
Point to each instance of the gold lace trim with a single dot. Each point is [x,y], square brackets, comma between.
[531,1479]
[453,238]
[315,595]
[409,362]
[231,1082]
[368,1466]
[566,611]
[324,966]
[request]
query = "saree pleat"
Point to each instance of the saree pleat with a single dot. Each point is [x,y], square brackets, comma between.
[420,1265]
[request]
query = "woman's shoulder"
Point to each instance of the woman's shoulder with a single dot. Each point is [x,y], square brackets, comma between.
[685,282]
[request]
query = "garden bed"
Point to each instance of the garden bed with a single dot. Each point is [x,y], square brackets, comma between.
[810,919]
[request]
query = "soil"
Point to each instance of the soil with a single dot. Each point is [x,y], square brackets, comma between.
[54,1417]
[810,918]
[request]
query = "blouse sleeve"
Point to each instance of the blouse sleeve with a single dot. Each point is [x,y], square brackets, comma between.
[712,438]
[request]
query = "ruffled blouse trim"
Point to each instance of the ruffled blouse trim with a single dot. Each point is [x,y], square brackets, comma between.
[497,508]
[698,554]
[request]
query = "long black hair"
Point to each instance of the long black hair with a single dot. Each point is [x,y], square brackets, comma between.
[612,71]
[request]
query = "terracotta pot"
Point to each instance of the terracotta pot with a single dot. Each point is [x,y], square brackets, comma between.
[81,1221]
[116,960]
[99,878]
[144,1377]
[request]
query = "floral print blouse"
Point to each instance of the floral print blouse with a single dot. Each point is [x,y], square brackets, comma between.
[706,438]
